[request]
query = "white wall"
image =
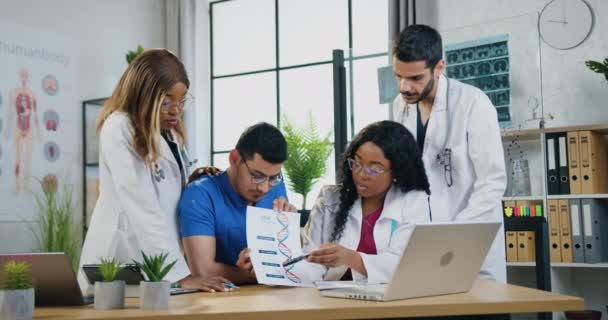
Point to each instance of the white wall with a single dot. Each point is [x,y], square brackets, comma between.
[101,33]
[571,92]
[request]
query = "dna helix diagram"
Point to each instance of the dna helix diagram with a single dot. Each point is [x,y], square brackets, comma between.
[282,236]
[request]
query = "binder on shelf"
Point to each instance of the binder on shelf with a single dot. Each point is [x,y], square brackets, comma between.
[565,236]
[555,252]
[574,163]
[552,163]
[595,223]
[564,176]
[539,210]
[576,224]
[594,162]
[533,211]
[526,251]
[511,244]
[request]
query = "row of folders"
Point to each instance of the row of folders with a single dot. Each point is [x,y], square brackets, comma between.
[577,162]
[522,208]
[578,232]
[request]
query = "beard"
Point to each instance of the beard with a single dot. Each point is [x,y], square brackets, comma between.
[423,95]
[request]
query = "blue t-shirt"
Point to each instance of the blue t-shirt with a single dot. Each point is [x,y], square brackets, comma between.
[210,207]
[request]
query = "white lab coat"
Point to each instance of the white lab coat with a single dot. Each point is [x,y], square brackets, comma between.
[134,212]
[391,232]
[478,167]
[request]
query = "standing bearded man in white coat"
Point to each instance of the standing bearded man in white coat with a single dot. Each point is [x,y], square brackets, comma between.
[456,128]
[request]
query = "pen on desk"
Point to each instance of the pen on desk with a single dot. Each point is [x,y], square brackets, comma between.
[230,285]
[294,260]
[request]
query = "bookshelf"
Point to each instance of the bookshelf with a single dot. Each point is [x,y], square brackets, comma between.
[90,159]
[578,196]
[525,198]
[560,265]
[580,279]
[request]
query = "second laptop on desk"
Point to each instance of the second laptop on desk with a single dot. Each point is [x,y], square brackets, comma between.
[440,258]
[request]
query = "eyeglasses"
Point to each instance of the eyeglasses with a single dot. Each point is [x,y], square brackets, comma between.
[372,171]
[166,105]
[259,179]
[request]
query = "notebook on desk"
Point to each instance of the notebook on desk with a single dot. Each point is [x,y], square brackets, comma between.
[54,279]
[440,258]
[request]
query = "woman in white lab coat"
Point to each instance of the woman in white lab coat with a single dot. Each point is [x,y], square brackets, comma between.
[142,169]
[359,229]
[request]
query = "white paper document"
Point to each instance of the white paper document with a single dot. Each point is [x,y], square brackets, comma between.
[273,238]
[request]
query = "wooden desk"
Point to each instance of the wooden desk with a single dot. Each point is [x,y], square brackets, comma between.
[260,302]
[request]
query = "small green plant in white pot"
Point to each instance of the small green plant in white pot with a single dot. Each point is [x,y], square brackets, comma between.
[154,292]
[109,293]
[18,291]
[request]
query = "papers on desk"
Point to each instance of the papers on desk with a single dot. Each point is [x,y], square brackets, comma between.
[273,238]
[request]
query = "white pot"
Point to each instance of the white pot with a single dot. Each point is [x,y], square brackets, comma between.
[110,295]
[17,304]
[154,295]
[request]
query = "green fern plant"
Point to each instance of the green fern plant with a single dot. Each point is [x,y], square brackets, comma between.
[598,67]
[16,276]
[307,155]
[56,230]
[154,266]
[132,54]
[109,268]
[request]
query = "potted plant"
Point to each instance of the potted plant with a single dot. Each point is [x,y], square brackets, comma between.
[599,67]
[154,292]
[56,230]
[109,293]
[18,291]
[307,155]
[132,54]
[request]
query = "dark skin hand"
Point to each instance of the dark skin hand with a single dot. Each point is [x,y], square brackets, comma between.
[203,171]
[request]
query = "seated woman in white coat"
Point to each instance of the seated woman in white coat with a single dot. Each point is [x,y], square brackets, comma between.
[143,167]
[358,230]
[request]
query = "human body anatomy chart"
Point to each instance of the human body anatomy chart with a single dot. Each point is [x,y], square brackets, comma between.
[39,118]
[274,237]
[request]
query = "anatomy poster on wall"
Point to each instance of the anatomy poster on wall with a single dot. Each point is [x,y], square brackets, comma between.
[39,118]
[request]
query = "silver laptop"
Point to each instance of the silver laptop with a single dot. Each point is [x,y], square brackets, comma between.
[54,279]
[440,258]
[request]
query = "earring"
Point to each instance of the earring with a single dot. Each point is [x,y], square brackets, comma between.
[395,180]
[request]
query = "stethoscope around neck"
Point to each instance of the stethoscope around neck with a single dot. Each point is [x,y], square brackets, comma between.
[159,172]
[444,157]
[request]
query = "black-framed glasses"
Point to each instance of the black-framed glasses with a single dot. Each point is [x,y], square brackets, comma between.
[166,105]
[259,179]
[372,171]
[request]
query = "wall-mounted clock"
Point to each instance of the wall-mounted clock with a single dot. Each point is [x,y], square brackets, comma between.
[565,24]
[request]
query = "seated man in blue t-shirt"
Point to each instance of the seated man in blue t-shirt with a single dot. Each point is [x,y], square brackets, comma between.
[212,208]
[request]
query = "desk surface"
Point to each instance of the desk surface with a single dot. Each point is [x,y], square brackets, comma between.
[260,302]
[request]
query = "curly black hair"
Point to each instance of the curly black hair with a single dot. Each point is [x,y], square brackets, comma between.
[399,147]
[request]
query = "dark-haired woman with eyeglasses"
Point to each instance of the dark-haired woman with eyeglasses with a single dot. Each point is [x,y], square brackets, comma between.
[359,228]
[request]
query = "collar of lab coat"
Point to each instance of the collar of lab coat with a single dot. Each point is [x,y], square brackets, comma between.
[165,151]
[441,94]
[391,210]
